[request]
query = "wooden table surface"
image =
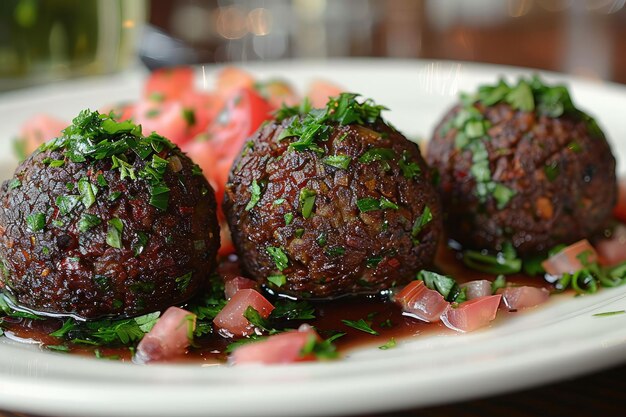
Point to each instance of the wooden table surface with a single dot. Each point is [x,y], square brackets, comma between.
[601,394]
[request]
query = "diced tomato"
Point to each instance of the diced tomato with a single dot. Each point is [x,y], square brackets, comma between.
[121,111]
[234,284]
[620,208]
[231,321]
[613,251]
[169,337]
[569,259]
[40,129]
[517,298]
[168,83]
[281,348]
[476,289]
[472,314]
[278,92]
[420,302]
[232,78]
[320,91]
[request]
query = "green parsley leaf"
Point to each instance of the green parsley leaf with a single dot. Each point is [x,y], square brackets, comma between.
[335,251]
[15,183]
[391,343]
[254,317]
[279,257]
[388,204]
[501,263]
[36,222]
[361,325]
[288,218]
[307,202]
[279,280]
[68,325]
[521,97]
[182,282]
[255,195]
[160,196]
[498,283]
[367,204]
[377,154]
[67,203]
[285,309]
[88,221]
[502,194]
[338,161]
[102,182]
[114,233]
[421,221]
[189,116]
[140,243]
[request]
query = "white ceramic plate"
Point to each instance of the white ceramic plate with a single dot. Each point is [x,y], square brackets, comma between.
[558,340]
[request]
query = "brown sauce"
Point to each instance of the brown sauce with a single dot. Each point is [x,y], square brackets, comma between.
[384,316]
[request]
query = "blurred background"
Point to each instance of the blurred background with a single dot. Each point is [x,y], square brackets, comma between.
[46,40]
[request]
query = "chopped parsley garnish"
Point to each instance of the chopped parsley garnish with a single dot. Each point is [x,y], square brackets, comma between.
[279,257]
[67,203]
[391,343]
[114,233]
[551,170]
[88,221]
[338,161]
[443,284]
[323,350]
[140,243]
[254,317]
[361,325]
[189,116]
[378,154]
[278,201]
[322,239]
[87,192]
[15,183]
[373,261]
[288,218]
[409,168]
[307,202]
[498,283]
[36,222]
[292,310]
[335,251]
[255,195]
[279,279]
[504,262]
[311,126]
[115,195]
[420,222]
[102,182]
[182,282]
[370,204]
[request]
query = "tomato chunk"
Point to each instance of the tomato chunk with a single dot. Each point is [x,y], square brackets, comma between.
[40,129]
[569,259]
[478,288]
[234,284]
[319,92]
[168,83]
[231,321]
[473,314]
[281,348]
[230,79]
[420,302]
[517,298]
[168,338]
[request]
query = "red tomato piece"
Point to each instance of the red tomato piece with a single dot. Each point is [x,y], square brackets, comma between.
[232,78]
[320,91]
[278,92]
[281,348]
[620,208]
[231,321]
[168,83]
[613,251]
[167,119]
[420,302]
[227,246]
[476,289]
[517,298]
[168,338]
[121,111]
[568,260]
[234,284]
[40,129]
[472,314]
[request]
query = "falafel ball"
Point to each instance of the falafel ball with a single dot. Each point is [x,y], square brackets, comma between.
[522,164]
[104,221]
[324,203]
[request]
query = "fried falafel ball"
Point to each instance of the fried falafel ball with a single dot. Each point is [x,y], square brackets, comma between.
[104,221]
[521,165]
[330,202]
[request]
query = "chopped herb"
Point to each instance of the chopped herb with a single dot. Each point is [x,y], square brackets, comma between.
[139,245]
[322,239]
[15,183]
[279,280]
[102,182]
[551,170]
[367,204]
[420,222]
[279,257]
[87,222]
[387,204]
[378,154]
[610,313]
[335,251]
[338,161]
[299,233]
[292,310]
[288,218]
[126,169]
[160,196]
[502,195]
[504,262]
[36,222]
[307,202]
[182,282]
[323,350]
[361,325]
[254,317]
[372,262]
[391,343]
[114,233]
[189,116]
[443,284]
[67,326]
[67,203]
[115,195]
[521,97]
[255,195]
[278,201]
[498,283]
[409,168]
[58,348]
[196,170]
